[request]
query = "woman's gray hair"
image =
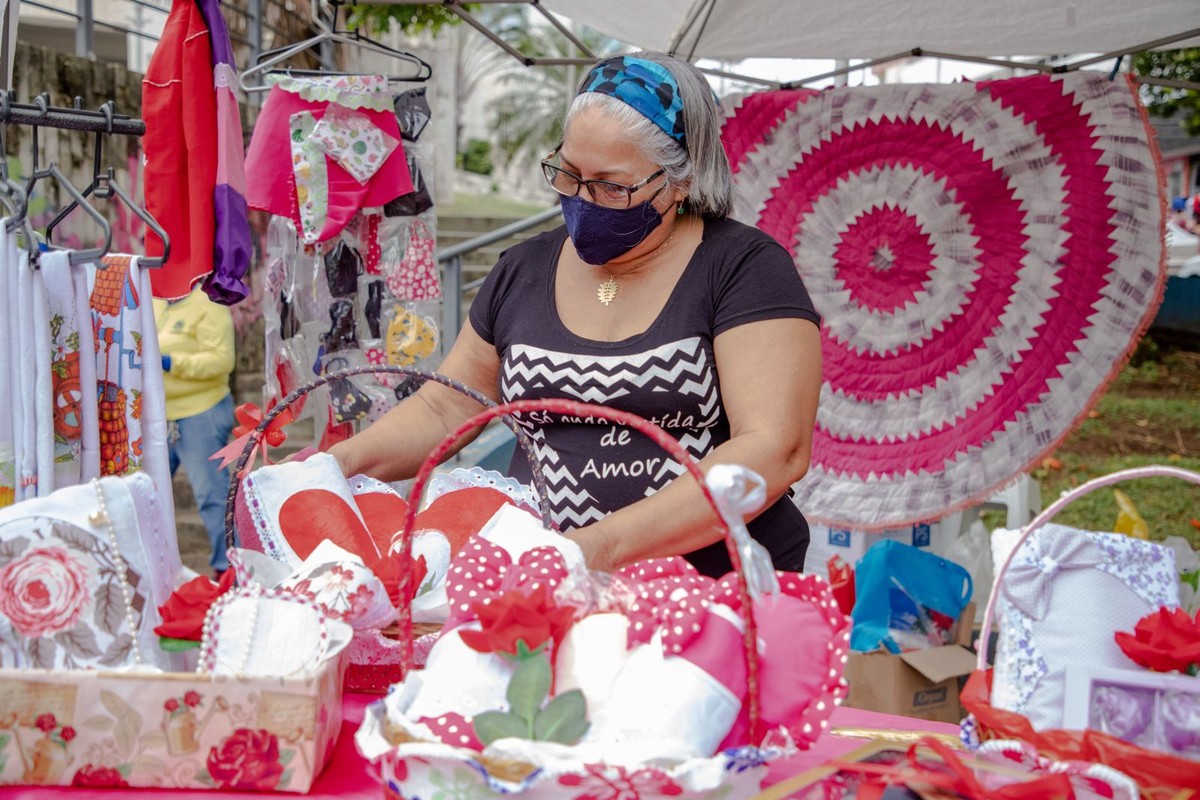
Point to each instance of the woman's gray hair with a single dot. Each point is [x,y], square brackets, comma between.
[702,170]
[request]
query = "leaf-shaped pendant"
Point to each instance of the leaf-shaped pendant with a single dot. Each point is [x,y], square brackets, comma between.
[607,290]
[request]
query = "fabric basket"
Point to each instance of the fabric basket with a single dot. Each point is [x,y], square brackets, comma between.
[412,767]
[1159,775]
[384,664]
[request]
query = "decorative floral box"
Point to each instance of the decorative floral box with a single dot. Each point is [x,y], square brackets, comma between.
[80,728]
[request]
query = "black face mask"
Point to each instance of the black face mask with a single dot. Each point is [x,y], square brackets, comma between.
[412,112]
[418,201]
[601,234]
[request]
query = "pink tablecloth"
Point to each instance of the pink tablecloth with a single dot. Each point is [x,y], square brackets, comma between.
[347,775]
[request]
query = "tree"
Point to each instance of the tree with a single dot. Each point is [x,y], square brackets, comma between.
[529,113]
[412,19]
[476,59]
[1175,65]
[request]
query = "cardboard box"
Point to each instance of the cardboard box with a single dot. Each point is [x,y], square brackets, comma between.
[919,683]
[176,730]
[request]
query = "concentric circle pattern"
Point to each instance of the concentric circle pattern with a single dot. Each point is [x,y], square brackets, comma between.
[984,257]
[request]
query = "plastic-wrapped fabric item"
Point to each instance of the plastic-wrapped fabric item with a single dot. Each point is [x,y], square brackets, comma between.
[270,175]
[349,403]
[412,112]
[418,201]
[411,336]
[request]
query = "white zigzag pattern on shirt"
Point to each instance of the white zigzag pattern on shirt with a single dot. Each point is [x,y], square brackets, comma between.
[681,367]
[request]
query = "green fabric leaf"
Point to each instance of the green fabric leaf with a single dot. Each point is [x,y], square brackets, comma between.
[563,720]
[170,645]
[528,688]
[493,725]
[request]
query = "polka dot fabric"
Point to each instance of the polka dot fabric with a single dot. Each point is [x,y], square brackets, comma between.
[806,639]
[483,571]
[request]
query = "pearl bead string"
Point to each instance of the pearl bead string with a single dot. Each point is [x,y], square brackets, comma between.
[211,629]
[101,517]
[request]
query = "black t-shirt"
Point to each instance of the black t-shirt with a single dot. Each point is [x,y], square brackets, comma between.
[666,374]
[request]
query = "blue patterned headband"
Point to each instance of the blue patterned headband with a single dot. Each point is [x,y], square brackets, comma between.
[647,87]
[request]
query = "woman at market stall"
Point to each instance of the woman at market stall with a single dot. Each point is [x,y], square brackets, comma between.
[649,300]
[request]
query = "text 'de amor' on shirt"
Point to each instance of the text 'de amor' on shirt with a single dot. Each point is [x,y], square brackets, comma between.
[666,374]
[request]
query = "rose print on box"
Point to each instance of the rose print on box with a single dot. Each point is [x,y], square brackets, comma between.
[223,732]
[247,760]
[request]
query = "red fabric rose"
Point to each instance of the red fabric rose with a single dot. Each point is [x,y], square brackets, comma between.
[94,777]
[516,616]
[67,733]
[183,613]
[191,699]
[247,759]
[1166,641]
[171,705]
[45,723]
[43,592]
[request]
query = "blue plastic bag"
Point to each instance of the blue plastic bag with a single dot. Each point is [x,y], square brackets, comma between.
[906,598]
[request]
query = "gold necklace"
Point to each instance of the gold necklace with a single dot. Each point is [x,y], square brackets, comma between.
[606,292]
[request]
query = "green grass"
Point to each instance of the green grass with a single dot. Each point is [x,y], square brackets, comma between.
[1167,504]
[1150,415]
[490,205]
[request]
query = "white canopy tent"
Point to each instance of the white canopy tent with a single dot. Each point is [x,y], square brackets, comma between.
[737,29]
[993,32]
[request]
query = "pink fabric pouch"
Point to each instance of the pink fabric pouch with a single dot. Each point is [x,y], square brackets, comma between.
[271,184]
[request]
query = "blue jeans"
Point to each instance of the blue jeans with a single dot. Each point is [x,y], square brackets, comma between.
[198,438]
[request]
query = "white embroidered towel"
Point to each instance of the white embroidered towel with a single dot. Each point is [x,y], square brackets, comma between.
[88,410]
[24,409]
[73,368]
[1064,595]
[43,399]
[9,264]
[155,458]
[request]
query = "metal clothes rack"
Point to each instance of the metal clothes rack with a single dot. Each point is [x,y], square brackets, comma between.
[40,114]
[103,121]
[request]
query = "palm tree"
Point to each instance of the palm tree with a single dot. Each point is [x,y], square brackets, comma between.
[529,113]
[475,60]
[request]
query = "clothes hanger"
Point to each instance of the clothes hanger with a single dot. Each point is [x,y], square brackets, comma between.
[85,255]
[103,186]
[11,192]
[267,62]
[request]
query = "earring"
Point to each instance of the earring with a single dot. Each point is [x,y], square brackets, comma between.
[679,213]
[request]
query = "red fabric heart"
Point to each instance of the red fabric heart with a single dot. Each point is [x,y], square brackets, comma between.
[384,515]
[309,517]
[461,514]
[313,515]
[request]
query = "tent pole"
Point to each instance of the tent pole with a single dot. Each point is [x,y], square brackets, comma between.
[718,73]
[1087,62]
[854,68]
[564,30]
[693,15]
[995,62]
[479,26]
[1170,84]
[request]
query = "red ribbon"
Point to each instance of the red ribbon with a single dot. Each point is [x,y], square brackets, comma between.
[250,417]
[960,779]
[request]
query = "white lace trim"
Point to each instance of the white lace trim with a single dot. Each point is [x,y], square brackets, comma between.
[351,91]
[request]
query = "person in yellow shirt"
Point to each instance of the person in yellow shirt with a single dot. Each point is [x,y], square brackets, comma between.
[195,336]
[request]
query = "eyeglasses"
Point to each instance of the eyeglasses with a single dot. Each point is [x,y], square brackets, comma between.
[604,193]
